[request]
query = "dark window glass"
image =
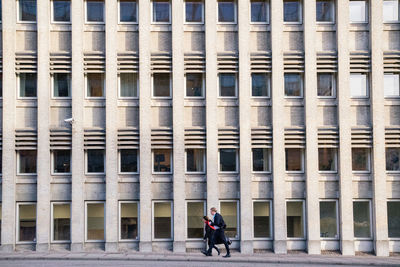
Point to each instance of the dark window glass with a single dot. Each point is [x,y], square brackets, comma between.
[95,11]
[27,10]
[294,159]
[27,222]
[230,212]
[295,219]
[393,159]
[227,160]
[324,11]
[360,159]
[61,11]
[27,161]
[325,84]
[129,221]
[95,161]
[261,160]
[328,220]
[62,161]
[62,84]
[61,222]
[95,221]
[327,159]
[162,220]
[258,11]
[194,11]
[95,85]
[195,225]
[128,84]
[227,85]
[129,160]
[27,84]
[393,209]
[162,160]
[291,11]
[161,85]
[361,217]
[195,160]
[226,11]
[194,84]
[127,11]
[293,85]
[161,11]
[1,82]
[260,84]
[261,213]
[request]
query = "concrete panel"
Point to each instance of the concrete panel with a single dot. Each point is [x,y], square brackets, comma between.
[195,190]
[261,190]
[194,42]
[60,192]
[58,115]
[161,42]
[25,192]
[128,117]
[60,41]
[26,117]
[26,41]
[128,41]
[293,41]
[128,191]
[229,190]
[95,191]
[260,41]
[162,190]
[94,117]
[362,189]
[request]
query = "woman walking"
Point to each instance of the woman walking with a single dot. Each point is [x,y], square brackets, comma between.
[209,231]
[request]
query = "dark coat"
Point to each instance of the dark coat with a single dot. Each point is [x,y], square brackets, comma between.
[208,231]
[218,221]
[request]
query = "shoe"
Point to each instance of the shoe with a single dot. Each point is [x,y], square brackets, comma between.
[206,253]
[227,256]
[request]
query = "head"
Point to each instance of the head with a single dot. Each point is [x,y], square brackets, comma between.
[213,211]
[206,219]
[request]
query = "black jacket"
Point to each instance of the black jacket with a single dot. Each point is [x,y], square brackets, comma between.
[218,221]
[208,231]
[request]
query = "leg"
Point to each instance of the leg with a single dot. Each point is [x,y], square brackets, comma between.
[228,253]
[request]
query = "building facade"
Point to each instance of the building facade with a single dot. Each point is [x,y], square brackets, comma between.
[124,121]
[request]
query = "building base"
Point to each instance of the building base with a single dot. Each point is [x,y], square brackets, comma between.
[347,248]
[179,246]
[314,247]
[145,246]
[280,247]
[382,248]
[77,247]
[246,247]
[111,247]
[42,247]
[7,248]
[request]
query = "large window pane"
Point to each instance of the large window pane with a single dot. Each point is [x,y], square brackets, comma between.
[95,11]
[295,219]
[194,85]
[361,217]
[27,10]
[328,219]
[325,84]
[393,209]
[127,11]
[128,84]
[293,85]
[360,158]
[27,222]
[325,11]
[27,161]
[194,11]
[162,220]
[1,82]
[261,159]
[61,11]
[261,213]
[227,160]
[95,161]
[226,11]
[62,161]
[27,84]
[391,85]
[162,160]
[358,85]
[260,84]
[327,159]
[294,159]
[61,222]
[195,160]
[161,11]
[291,11]
[62,84]
[95,85]
[161,85]
[129,160]
[358,11]
[0,206]
[229,212]
[259,11]
[195,225]
[390,10]
[393,159]
[129,221]
[95,221]
[227,85]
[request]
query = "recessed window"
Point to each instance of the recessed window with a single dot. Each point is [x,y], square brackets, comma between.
[326,85]
[95,161]
[328,219]
[228,160]
[194,11]
[227,85]
[61,221]
[229,209]
[129,160]
[262,219]
[61,161]
[295,219]
[162,159]
[61,11]
[94,11]
[327,158]
[360,158]
[362,219]
[390,11]
[95,84]
[260,84]
[294,159]
[127,11]
[1,82]
[162,220]
[26,222]
[391,85]
[195,160]
[27,10]
[27,84]
[259,11]
[128,85]
[358,85]
[293,85]
[358,11]
[325,11]
[261,159]
[27,161]
[393,159]
[162,85]
[292,11]
[95,221]
[62,85]
[161,11]
[226,11]
[129,220]
[393,210]
[195,225]
[194,85]
[0,203]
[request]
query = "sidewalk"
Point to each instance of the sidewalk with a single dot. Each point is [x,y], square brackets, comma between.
[301,258]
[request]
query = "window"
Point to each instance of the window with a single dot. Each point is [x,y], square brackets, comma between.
[127,11]
[27,162]
[293,85]
[95,161]
[61,221]
[294,159]
[328,219]
[358,85]
[362,219]
[229,210]
[325,11]
[195,226]
[194,11]
[61,10]
[161,11]
[227,85]
[161,85]
[62,85]
[194,85]
[390,11]
[360,158]
[162,160]
[128,161]
[391,85]
[295,219]
[261,159]
[1,82]
[95,85]
[0,22]
[358,11]
[259,11]
[393,210]
[26,222]
[128,85]
[27,84]
[393,159]
[61,161]
[162,220]
[292,11]
[195,160]
[0,204]
[326,85]
[94,221]
[226,11]
[129,220]
[228,160]
[27,10]
[327,158]
[260,84]
[94,11]
[262,219]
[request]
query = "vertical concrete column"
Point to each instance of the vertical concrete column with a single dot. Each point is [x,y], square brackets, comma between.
[78,154]
[111,127]
[378,122]
[43,132]
[246,205]
[145,126]
[310,101]
[278,147]
[8,127]
[343,95]
[178,125]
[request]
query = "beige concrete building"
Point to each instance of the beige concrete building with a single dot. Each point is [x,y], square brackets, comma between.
[124,121]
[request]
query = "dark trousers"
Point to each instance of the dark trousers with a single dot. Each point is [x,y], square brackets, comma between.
[218,237]
[212,245]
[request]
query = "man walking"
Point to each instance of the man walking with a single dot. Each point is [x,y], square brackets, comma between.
[219,234]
